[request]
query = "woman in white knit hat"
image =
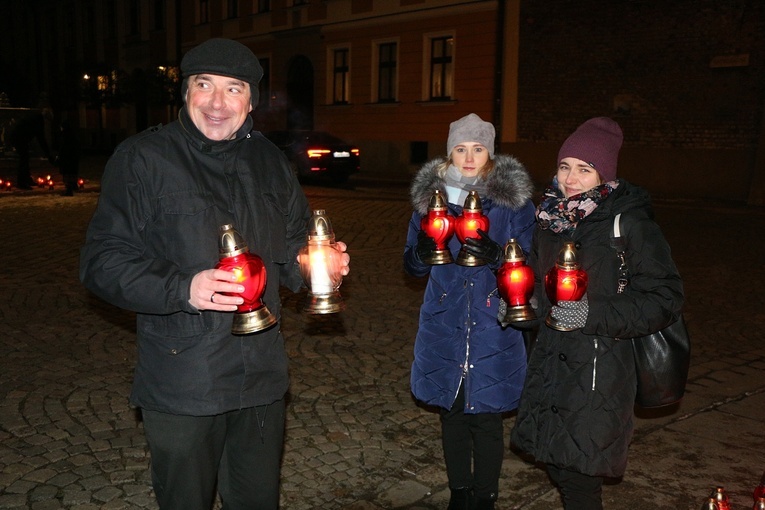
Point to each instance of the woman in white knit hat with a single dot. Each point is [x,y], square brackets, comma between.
[465,363]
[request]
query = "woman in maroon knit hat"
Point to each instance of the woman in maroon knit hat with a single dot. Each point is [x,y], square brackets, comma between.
[576,410]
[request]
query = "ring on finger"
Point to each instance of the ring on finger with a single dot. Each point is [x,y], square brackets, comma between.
[212,298]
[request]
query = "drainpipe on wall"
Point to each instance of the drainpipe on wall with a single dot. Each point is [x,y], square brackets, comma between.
[757,186]
[499,54]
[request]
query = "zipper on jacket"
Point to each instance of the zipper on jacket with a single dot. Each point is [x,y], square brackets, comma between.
[595,364]
[443,291]
[467,335]
[488,298]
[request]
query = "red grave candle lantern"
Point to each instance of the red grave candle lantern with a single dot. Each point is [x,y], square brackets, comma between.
[566,281]
[720,497]
[515,282]
[759,491]
[252,315]
[467,225]
[439,225]
[709,504]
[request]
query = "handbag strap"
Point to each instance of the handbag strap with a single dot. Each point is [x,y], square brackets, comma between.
[619,243]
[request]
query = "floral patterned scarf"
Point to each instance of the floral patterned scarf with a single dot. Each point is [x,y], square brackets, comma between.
[561,214]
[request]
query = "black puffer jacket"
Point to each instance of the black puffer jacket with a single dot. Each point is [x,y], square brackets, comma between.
[576,410]
[165,193]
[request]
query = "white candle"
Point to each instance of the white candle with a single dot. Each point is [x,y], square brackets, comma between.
[321,283]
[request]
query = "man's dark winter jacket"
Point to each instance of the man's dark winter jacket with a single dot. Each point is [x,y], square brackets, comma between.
[459,334]
[165,193]
[576,411]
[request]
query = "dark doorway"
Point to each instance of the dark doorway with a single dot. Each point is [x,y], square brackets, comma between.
[300,94]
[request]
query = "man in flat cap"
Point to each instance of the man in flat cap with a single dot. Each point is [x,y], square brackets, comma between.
[212,402]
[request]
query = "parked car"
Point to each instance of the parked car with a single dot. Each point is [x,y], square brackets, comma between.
[316,153]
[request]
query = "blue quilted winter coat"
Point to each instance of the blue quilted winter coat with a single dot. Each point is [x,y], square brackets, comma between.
[459,340]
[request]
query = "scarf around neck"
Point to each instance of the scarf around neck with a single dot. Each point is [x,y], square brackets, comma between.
[458,186]
[561,214]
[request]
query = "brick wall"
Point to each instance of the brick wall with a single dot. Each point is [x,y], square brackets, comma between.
[668,71]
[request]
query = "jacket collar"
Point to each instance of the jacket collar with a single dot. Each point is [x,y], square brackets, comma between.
[508,185]
[206,145]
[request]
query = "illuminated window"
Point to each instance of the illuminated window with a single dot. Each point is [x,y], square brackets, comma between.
[103,83]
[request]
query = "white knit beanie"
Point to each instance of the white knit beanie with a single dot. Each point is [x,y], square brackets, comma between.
[471,128]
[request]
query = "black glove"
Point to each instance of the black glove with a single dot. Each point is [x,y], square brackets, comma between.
[426,245]
[483,248]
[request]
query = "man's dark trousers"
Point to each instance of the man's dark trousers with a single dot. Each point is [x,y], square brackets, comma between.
[240,449]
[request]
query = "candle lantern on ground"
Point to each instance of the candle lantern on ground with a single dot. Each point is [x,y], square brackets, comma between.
[720,498]
[759,491]
[566,281]
[439,225]
[467,225]
[321,266]
[709,504]
[515,282]
[252,315]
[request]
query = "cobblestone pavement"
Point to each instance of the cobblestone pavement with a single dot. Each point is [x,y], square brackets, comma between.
[355,438]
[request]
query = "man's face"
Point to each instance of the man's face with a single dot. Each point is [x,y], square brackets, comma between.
[218,105]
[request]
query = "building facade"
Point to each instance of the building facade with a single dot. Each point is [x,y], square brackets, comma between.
[685,79]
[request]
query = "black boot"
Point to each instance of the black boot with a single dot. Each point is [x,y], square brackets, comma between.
[460,499]
[483,503]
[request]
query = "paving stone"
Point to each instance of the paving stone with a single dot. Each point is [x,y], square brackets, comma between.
[43,493]
[63,479]
[40,475]
[107,494]
[50,504]
[355,438]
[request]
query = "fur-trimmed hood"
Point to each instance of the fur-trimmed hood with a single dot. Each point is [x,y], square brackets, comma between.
[508,185]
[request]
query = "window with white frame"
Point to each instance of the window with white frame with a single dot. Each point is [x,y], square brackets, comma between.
[340,61]
[439,52]
[385,72]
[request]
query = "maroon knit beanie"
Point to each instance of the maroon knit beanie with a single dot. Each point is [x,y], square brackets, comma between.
[596,142]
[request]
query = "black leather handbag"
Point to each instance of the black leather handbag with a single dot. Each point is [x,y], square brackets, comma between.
[662,359]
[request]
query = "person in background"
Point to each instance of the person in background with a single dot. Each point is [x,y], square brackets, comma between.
[68,156]
[212,402]
[26,130]
[465,363]
[576,411]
